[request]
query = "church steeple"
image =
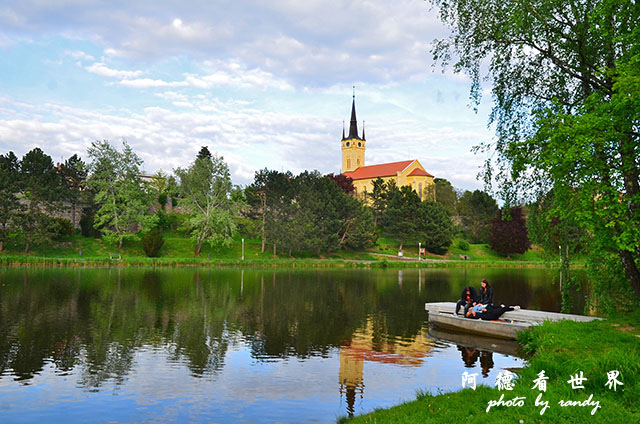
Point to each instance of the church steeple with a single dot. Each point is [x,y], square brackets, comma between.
[353,128]
[352,145]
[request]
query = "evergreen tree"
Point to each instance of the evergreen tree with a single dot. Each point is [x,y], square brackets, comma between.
[120,194]
[10,187]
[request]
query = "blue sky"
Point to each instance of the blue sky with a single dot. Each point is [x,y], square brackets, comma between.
[265,84]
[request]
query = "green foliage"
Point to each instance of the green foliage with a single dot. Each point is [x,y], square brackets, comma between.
[120,193]
[446,195]
[477,209]
[308,213]
[509,232]
[152,242]
[566,79]
[60,227]
[205,189]
[10,185]
[435,227]
[463,245]
[42,190]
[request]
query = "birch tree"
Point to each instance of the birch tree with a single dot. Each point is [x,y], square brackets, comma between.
[205,191]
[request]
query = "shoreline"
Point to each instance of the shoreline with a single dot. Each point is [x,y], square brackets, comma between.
[101,262]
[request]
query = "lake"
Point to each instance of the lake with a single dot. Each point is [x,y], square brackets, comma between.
[233,345]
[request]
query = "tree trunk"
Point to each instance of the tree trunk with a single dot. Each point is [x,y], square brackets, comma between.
[631,271]
[1,245]
[401,245]
[275,255]
[120,242]
[26,246]
[198,246]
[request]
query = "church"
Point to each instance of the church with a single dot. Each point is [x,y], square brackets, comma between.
[404,173]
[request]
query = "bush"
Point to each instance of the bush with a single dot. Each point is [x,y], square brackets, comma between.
[463,245]
[152,242]
[60,227]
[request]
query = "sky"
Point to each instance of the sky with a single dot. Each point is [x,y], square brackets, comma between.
[264,84]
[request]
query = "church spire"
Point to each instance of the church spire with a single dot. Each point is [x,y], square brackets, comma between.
[353,128]
[343,130]
[363,131]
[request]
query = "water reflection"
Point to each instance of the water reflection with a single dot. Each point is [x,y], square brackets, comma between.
[98,327]
[367,345]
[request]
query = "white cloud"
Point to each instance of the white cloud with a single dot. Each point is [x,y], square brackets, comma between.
[102,70]
[78,54]
[149,83]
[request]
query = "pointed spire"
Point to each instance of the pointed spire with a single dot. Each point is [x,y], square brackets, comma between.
[353,127]
[363,130]
[343,130]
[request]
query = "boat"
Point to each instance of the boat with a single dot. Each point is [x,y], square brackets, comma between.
[442,314]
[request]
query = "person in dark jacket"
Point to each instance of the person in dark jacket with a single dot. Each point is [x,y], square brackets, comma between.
[485,299]
[467,298]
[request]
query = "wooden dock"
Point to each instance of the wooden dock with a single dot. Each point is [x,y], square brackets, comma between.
[510,323]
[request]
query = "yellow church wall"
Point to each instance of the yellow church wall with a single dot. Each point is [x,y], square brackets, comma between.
[401,179]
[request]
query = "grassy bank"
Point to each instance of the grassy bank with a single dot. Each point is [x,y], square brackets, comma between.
[561,349]
[178,250]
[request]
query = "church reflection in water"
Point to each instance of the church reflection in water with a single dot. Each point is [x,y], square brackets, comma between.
[366,345]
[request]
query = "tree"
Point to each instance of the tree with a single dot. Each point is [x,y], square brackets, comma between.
[205,190]
[344,182]
[402,215]
[41,190]
[73,173]
[269,199]
[378,197]
[476,210]
[509,232]
[565,76]
[435,227]
[204,153]
[120,193]
[10,186]
[446,195]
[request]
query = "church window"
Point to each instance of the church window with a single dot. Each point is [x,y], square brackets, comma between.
[348,163]
[420,191]
[358,161]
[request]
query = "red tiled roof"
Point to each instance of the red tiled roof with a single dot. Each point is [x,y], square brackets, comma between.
[419,172]
[382,170]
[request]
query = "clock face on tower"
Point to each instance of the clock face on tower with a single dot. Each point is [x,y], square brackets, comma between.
[359,144]
[348,144]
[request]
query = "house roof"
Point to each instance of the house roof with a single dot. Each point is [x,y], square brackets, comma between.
[382,170]
[420,172]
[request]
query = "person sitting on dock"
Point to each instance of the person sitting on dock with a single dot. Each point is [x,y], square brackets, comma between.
[468,297]
[486,297]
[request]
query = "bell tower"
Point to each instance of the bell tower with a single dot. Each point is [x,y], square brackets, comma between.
[353,146]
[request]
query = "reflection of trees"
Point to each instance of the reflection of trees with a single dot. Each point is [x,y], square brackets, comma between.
[95,320]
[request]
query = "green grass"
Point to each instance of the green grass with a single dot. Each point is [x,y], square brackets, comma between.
[561,349]
[179,250]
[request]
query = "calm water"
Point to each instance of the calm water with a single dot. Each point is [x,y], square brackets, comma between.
[136,345]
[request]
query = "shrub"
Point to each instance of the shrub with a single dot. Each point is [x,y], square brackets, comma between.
[463,245]
[152,242]
[60,227]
